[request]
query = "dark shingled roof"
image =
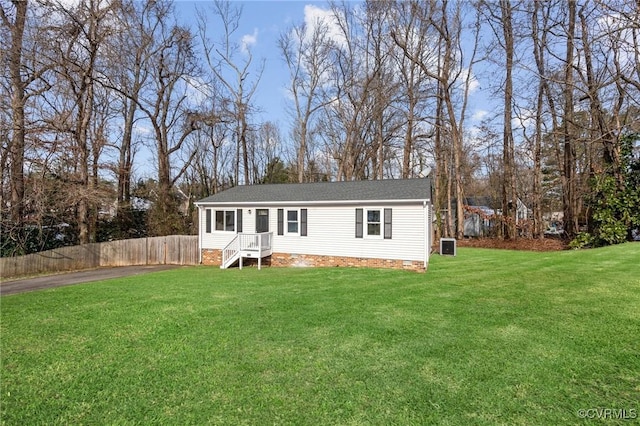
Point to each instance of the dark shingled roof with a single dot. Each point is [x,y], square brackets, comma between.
[365,190]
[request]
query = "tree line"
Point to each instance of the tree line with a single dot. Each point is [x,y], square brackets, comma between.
[377,90]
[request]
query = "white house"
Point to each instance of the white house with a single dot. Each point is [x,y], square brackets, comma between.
[383,223]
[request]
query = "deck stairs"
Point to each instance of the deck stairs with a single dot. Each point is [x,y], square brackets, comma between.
[247,246]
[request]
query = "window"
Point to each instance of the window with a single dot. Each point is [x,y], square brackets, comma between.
[225,220]
[208,221]
[219,220]
[229,222]
[373,223]
[294,223]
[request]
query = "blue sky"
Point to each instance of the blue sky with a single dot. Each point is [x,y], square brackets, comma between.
[261,25]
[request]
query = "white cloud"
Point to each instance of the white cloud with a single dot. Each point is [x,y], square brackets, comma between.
[315,16]
[68,4]
[249,40]
[474,84]
[142,130]
[525,120]
[479,114]
[197,90]
[474,131]
[613,34]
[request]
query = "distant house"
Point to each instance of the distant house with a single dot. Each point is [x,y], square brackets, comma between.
[383,223]
[480,215]
[522,211]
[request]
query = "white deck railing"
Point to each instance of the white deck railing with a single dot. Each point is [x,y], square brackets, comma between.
[247,245]
[230,252]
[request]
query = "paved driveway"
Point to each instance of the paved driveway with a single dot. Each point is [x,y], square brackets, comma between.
[58,280]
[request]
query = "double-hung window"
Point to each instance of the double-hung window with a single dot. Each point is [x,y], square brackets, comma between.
[292,222]
[225,220]
[373,223]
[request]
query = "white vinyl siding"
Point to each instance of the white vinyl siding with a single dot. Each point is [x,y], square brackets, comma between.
[330,231]
[219,239]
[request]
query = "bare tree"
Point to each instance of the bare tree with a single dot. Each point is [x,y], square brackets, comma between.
[16,147]
[233,74]
[500,18]
[385,84]
[130,53]
[86,25]
[416,87]
[356,123]
[451,71]
[569,163]
[346,119]
[25,66]
[269,143]
[509,196]
[306,51]
[166,106]
[539,35]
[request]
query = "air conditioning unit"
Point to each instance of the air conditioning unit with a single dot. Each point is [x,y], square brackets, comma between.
[448,246]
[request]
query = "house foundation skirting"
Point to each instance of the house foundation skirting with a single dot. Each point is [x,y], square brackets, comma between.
[214,257]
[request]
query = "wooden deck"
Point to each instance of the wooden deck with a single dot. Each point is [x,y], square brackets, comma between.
[252,246]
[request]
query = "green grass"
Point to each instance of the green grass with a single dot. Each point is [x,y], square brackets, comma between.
[488,337]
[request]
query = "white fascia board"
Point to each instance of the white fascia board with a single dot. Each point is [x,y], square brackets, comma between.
[311,203]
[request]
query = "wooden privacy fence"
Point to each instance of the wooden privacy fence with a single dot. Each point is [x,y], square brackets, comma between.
[169,250]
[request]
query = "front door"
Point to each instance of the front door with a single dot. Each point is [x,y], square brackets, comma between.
[262,220]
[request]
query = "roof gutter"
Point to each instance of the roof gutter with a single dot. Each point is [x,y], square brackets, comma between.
[423,201]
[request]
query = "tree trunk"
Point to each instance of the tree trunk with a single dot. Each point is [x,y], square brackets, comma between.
[408,138]
[509,199]
[442,229]
[302,148]
[81,134]
[569,156]
[18,99]
[539,43]
[125,158]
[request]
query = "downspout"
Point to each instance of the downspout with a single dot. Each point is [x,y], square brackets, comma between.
[200,235]
[425,209]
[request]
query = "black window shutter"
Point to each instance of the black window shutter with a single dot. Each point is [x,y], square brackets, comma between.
[387,224]
[208,221]
[303,222]
[358,223]
[280,221]
[239,221]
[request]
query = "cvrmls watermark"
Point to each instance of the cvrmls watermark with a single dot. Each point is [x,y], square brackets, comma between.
[608,413]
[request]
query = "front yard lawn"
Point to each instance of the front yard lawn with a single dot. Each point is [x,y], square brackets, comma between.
[488,337]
